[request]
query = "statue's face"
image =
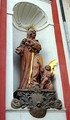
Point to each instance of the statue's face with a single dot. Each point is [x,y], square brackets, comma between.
[31,33]
[47,67]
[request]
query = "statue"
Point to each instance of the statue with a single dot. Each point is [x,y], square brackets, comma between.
[30,65]
[47,78]
[36,90]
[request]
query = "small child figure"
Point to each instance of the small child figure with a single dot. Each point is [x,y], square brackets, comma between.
[46,78]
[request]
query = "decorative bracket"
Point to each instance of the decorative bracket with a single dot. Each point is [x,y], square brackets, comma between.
[36,100]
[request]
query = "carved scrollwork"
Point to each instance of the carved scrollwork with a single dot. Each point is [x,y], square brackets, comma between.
[36,99]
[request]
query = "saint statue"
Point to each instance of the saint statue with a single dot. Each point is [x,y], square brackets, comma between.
[29,49]
[32,71]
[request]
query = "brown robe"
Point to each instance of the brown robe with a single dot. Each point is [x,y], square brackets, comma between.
[25,50]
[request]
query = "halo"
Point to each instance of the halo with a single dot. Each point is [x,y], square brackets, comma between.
[32,27]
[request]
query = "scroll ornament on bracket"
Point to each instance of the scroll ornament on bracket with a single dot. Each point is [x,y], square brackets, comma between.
[36,90]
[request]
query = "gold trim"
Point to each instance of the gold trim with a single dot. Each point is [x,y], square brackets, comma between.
[32,58]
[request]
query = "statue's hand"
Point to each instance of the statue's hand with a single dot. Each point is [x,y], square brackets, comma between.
[19,50]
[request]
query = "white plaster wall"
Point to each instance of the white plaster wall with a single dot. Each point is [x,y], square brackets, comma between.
[49,52]
[25,115]
[9,62]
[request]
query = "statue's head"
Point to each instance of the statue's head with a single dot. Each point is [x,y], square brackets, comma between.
[48,68]
[31,33]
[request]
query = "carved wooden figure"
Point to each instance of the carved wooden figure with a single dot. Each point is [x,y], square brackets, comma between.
[36,89]
[30,65]
[46,78]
